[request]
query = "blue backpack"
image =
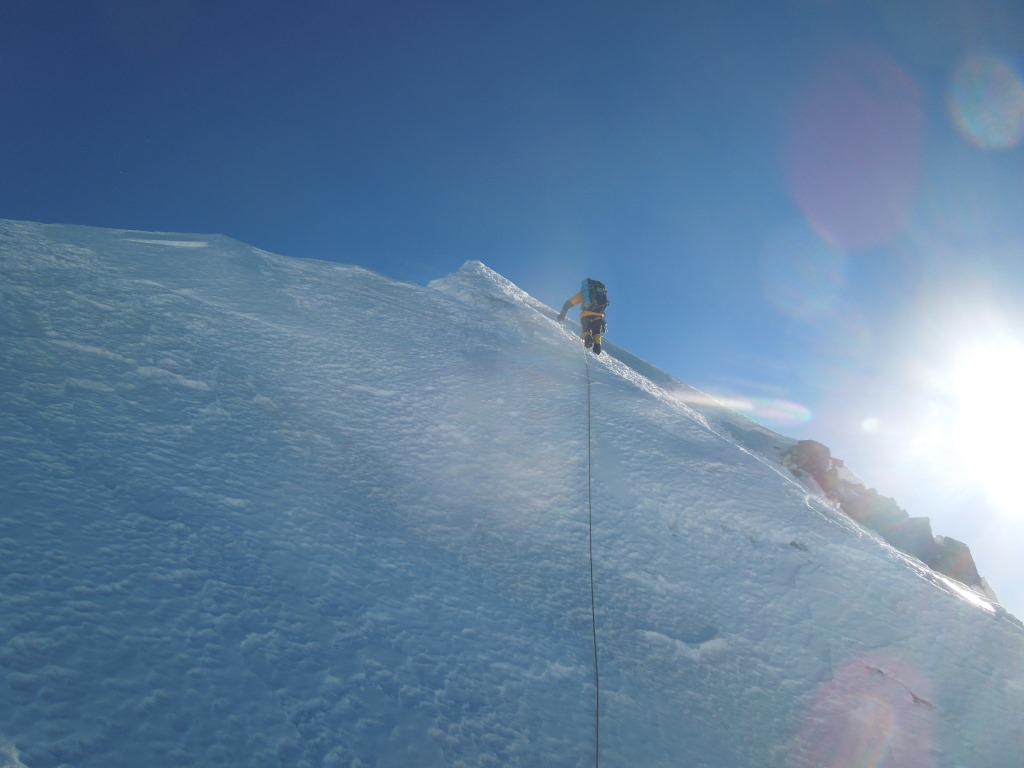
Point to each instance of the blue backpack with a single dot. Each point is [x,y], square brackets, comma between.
[595,296]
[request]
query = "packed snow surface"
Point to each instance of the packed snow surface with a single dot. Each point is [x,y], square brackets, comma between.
[261,511]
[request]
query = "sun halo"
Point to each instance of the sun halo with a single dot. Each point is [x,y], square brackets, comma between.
[987,391]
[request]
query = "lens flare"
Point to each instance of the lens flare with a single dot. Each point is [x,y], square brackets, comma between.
[770,411]
[988,388]
[986,102]
[853,151]
[870,425]
[875,712]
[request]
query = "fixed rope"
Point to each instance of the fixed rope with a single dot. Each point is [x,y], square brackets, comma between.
[593,602]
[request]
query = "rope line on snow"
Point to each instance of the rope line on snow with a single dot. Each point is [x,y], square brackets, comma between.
[593,602]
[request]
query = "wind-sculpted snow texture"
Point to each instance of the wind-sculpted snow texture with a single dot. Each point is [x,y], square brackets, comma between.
[259,511]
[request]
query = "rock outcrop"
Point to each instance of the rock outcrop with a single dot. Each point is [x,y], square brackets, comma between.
[912,535]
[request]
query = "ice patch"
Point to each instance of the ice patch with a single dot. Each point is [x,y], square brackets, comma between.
[89,384]
[151,372]
[172,243]
[9,757]
[681,649]
[87,349]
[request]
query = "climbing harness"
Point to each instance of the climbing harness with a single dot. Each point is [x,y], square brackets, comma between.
[593,604]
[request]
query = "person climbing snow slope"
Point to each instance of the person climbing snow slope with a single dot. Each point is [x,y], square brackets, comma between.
[593,300]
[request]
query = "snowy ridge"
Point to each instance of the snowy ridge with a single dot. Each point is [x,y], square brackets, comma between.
[264,511]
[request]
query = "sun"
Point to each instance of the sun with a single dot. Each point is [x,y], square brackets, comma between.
[987,389]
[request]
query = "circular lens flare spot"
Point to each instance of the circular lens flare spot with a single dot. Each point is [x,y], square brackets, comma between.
[875,712]
[870,425]
[852,153]
[986,102]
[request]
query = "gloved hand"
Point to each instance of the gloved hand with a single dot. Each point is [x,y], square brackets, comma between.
[561,317]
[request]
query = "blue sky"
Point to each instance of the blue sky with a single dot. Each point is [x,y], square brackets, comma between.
[810,208]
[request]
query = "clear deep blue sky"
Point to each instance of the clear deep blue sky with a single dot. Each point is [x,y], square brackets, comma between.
[810,208]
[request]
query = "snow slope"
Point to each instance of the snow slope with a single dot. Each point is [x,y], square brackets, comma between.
[262,511]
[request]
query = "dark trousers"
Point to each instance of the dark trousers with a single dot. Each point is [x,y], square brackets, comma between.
[593,324]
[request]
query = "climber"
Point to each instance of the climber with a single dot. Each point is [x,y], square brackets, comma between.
[593,298]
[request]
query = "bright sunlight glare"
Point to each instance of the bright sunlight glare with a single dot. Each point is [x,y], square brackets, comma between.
[988,391]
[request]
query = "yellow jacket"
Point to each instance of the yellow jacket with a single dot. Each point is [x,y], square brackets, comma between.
[575,301]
